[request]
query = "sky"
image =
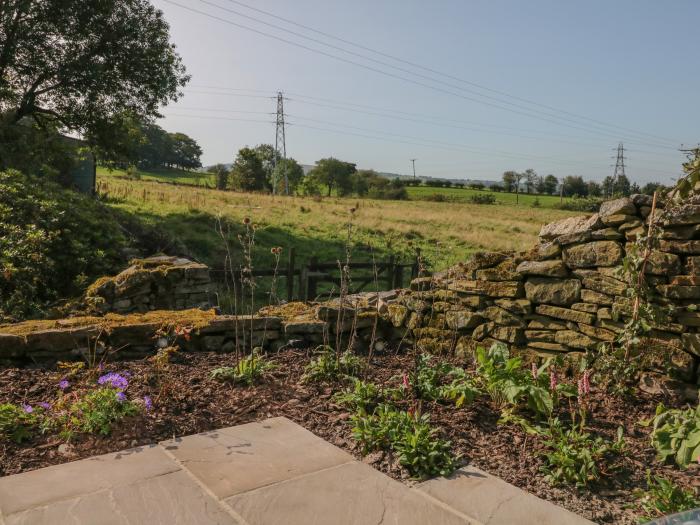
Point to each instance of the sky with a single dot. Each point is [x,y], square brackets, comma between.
[468,88]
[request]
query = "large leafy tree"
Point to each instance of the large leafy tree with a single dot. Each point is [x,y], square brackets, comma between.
[248,172]
[78,65]
[334,174]
[294,172]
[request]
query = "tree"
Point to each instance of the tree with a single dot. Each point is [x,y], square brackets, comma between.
[530,177]
[650,187]
[551,183]
[334,174]
[622,186]
[594,189]
[183,151]
[247,172]
[634,188]
[574,185]
[221,174]
[540,186]
[294,172]
[78,65]
[509,180]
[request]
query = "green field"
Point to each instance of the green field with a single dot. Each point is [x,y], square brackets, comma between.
[194,178]
[465,195]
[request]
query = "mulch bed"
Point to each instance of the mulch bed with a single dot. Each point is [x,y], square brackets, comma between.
[193,403]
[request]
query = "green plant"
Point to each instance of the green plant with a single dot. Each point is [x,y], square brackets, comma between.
[410,435]
[574,457]
[483,198]
[16,423]
[663,497]
[460,390]
[362,396]
[676,433]
[94,413]
[329,366]
[507,383]
[615,374]
[248,371]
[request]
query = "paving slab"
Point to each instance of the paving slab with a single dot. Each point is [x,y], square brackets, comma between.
[236,459]
[491,501]
[171,499]
[349,494]
[60,482]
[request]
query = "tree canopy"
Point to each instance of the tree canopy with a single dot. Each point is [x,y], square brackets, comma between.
[334,174]
[79,65]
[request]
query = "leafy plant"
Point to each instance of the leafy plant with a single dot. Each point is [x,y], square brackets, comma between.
[16,422]
[663,497]
[95,412]
[615,374]
[507,383]
[460,390]
[362,397]
[410,435]
[328,366]
[676,433]
[575,457]
[248,371]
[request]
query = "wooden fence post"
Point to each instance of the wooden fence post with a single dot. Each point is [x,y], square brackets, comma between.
[311,280]
[390,269]
[290,275]
[398,277]
[415,270]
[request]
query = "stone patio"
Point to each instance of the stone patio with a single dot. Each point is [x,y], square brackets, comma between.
[268,472]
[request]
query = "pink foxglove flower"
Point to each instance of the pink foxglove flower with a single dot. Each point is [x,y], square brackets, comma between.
[553,380]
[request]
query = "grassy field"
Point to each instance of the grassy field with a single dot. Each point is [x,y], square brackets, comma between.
[446,232]
[414,192]
[465,195]
[165,175]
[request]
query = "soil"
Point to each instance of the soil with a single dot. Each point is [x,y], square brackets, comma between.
[187,401]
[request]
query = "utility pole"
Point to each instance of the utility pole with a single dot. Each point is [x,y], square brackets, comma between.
[413,161]
[619,167]
[280,146]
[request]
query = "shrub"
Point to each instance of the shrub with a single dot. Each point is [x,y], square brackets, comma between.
[330,366]
[248,371]
[16,423]
[483,198]
[429,381]
[575,457]
[53,241]
[663,497]
[581,204]
[536,203]
[676,434]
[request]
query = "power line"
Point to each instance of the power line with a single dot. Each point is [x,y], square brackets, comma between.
[370,68]
[446,75]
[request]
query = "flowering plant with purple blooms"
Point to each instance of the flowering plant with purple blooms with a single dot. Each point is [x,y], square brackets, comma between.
[147,403]
[17,422]
[63,384]
[114,380]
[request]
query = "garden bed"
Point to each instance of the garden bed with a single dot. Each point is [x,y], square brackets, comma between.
[191,401]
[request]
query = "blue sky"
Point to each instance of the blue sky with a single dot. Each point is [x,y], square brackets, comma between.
[607,72]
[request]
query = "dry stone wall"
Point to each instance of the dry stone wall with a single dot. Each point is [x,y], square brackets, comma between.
[567,294]
[154,283]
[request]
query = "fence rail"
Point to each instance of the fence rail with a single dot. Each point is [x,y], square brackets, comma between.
[388,274]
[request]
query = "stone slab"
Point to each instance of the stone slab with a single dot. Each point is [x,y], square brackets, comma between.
[491,501]
[237,459]
[349,494]
[60,482]
[171,499]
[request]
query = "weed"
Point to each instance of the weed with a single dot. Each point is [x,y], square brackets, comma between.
[248,371]
[663,497]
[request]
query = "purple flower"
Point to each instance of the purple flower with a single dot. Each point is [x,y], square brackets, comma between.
[114,380]
[147,402]
[27,408]
[121,397]
[63,384]
[44,405]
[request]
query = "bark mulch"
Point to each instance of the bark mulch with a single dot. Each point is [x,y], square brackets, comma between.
[191,402]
